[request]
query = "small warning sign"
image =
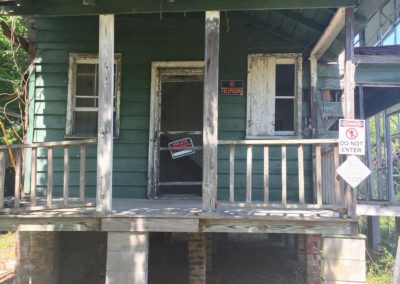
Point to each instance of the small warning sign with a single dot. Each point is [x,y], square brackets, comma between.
[181,148]
[352,137]
[353,171]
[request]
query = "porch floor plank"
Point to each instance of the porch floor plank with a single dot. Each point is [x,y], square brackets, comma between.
[179,208]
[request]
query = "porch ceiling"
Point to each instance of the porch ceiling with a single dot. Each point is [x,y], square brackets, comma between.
[300,23]
[86,7]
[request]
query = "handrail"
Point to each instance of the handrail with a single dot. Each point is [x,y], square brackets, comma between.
[49,144]
[327,190]
[279,142]
[49,148]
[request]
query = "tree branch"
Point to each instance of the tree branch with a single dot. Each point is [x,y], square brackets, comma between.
[14,38]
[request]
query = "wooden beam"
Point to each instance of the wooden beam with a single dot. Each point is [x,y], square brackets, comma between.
[210,110]
[331,32]
[349,105]
[48,144]
[76,224]
[377,59]
[139,224]
[390,210]
[349,72]
[323,226]
[76,7]
[105,131]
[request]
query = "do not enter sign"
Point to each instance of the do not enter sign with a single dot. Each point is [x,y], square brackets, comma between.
[352,137]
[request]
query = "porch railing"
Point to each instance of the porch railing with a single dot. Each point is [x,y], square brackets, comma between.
[26,183]
[316,185]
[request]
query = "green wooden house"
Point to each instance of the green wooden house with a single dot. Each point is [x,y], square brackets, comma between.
[192,116]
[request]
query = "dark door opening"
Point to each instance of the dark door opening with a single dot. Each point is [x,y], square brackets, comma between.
[181,137]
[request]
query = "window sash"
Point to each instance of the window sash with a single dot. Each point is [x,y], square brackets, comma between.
[89,59]
[262,70]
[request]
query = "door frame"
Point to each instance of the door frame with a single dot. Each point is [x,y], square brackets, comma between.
[159,69]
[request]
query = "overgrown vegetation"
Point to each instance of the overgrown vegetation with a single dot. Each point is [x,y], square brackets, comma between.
[14,63]
[380,267]
[380,262]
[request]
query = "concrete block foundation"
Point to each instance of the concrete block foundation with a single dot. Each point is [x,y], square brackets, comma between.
[37,257]
[127,258]
[343,260]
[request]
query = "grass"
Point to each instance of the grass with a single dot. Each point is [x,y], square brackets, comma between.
[7,246]
[380,263]
[380,267]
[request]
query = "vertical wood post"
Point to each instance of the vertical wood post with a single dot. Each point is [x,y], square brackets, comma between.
[232,173]
[349,85]
[349,72]
[210,115]
[249,174]
[389,158]
[314,101]
[266,174]
[33,177]
[49,176]
[82,173]
[18,175]
[66,176]
[105,114]
[284,176]
[300,155]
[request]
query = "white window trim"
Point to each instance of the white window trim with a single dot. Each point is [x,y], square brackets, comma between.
[89,58]
[282,58]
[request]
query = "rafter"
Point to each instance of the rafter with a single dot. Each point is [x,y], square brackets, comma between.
[300,19]
[277,32]
[328,37]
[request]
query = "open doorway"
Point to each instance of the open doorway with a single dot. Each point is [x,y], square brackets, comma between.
[176,137]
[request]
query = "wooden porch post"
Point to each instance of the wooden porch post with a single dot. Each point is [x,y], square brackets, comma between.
[105,114]
[210,115]
[349,85]
[314,93]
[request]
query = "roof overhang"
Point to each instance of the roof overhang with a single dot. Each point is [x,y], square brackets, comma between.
[95,7]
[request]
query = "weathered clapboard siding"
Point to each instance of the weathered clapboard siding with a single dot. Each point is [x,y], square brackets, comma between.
[142,39]
[328,76]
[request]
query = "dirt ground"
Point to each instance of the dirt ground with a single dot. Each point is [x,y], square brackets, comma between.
[234,261]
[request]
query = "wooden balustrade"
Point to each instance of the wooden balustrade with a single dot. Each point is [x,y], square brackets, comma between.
[48,148]
[327,192]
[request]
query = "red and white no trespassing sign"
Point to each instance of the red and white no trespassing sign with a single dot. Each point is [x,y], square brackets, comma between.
[352,137]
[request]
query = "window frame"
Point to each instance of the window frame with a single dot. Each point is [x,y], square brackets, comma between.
[278,58]
[90,58]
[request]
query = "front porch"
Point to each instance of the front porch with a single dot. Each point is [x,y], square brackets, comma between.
[138,215]
[259,174]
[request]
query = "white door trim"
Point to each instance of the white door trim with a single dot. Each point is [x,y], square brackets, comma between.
[159,68]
